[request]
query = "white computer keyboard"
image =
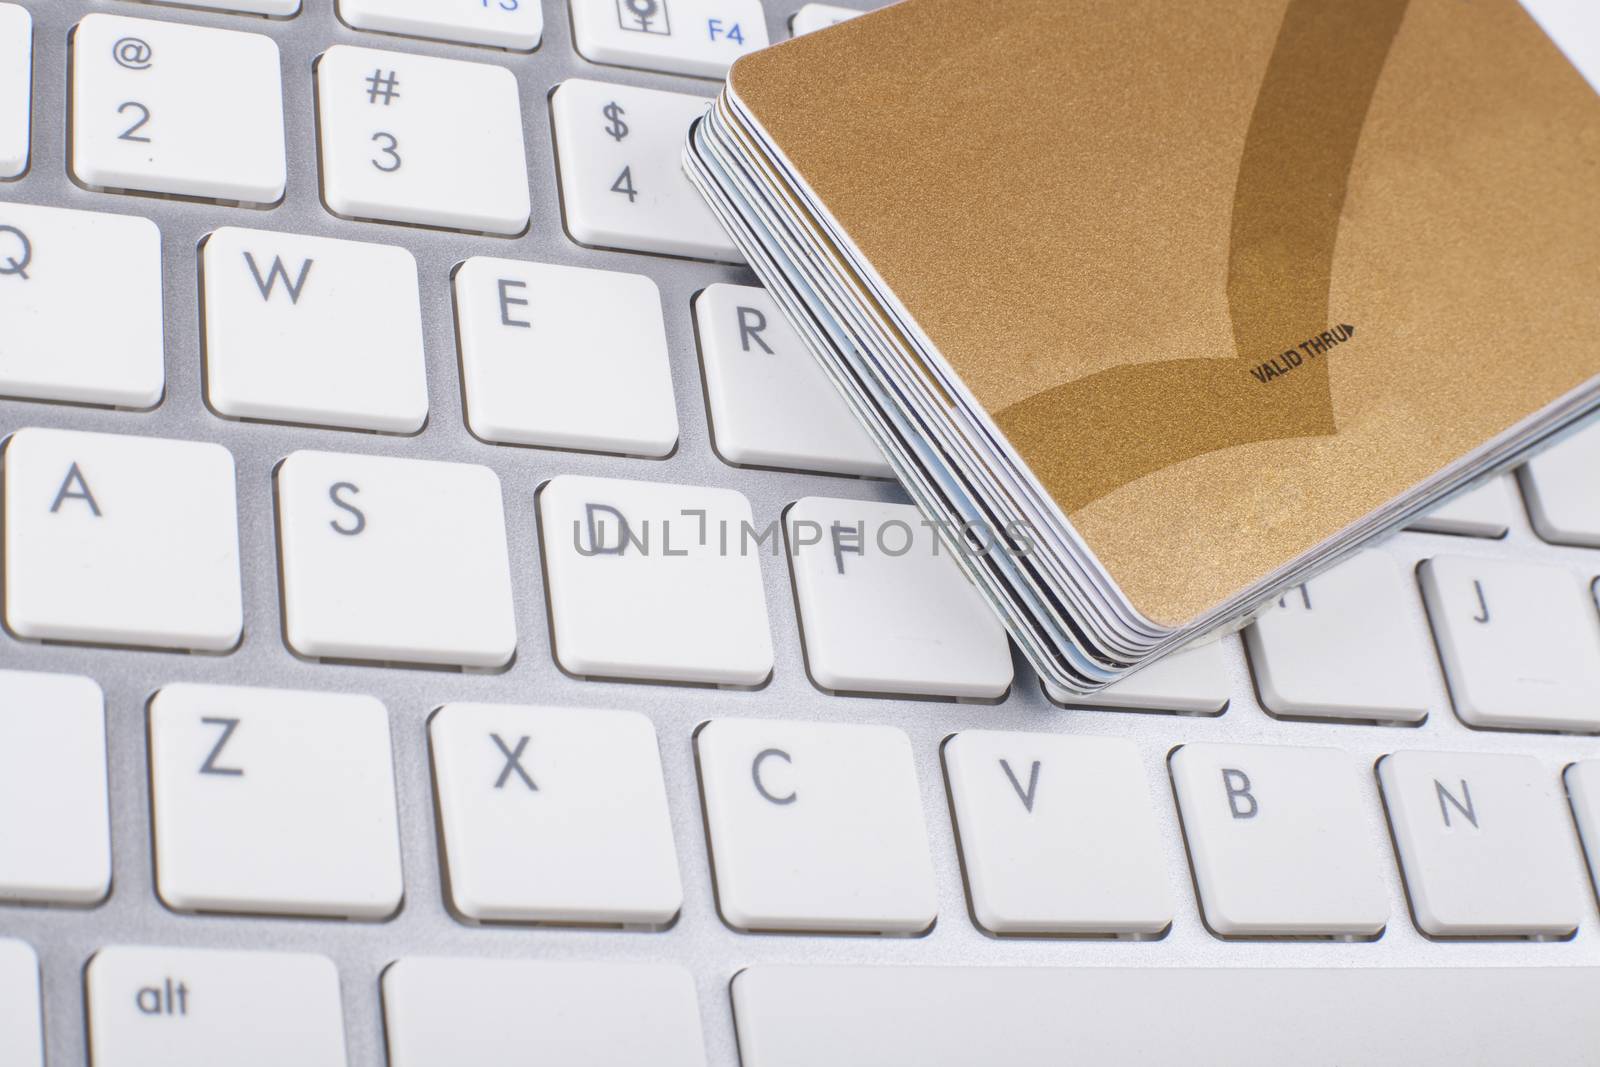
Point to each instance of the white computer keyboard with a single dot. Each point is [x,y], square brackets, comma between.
[411,658]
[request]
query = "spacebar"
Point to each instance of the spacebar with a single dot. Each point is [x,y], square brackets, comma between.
[813,1016]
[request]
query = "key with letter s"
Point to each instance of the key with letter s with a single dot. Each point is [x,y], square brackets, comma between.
[163,107]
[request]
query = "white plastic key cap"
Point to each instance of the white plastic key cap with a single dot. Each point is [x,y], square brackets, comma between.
[478,1013]
[1583,789]
[1058,834]
[1034,1016]
[813,17]
[516,25]
[1344,646]
[1562,485]
[1191,681]
[696,37]
[619,150]
[121,540]
[564,357]
[1520,642]
[16,88]
[164,107]
[433,142]
[395,560]
[1282,841]
[80,297]
[270,8]
[273,801]
[885,609]
[55,826]
[655,582]
[1486,511]
[1485,843]
[21,1028]
[815,826]
[554,815]
[191,1007]
[313,330]
[772,404]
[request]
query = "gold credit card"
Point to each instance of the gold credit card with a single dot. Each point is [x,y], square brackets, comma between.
[1227,276]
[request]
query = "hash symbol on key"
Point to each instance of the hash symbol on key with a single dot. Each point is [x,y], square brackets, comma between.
[384,85]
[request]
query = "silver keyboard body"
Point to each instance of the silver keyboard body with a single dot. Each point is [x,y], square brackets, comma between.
[65,938]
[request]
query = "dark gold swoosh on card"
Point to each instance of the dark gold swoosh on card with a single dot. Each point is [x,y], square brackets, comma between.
[1117,425]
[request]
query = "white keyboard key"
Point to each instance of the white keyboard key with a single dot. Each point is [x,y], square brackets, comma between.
[459,1013]
[1485,844]
[884,608]
[55,824]
[80,297]
[1520,643]
[273,801]
[655,582]
[1058,834]
[815,826]
[1562,485]
[1485,511]
[620,153]
[190,1007]
[434,142]
[813,17]
[312,330]
[121,540]
[395,560]
[21,1027]
[1583,787]
[565,357]
[1191,681]
[1282,840]
[554,815]
[164,107]
[696,37]
[771,403]
[270,8]
[1344,645]
[516,25]
[16,89]
[1046,1017]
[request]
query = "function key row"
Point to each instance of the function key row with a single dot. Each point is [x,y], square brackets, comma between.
[276,802]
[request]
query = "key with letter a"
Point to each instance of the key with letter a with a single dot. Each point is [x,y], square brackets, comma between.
[164,107]
[268,800]
[622,183]
[1485,842]
[1520,642]
[121,540]
[415,139]
[1282,841]
[16,85]
[307,329]
[815,826]
[191,1007]
[80,307]
[1058,834]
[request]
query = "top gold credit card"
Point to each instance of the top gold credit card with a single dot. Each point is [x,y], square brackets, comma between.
[1228,276]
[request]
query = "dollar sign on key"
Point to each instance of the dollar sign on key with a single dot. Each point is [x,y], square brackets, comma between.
[615,127]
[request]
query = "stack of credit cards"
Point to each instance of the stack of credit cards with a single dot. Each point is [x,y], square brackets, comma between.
[1158,309]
